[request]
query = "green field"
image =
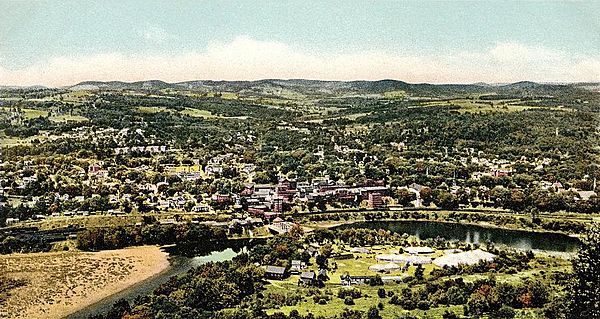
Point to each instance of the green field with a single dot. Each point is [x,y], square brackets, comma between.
[152,109]
[476,106]
[197,113]
[394,94]
[359,266]
[68,118]
[29,113]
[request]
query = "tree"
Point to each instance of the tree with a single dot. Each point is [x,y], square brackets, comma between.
[119,308]
[322,262]
[381,293]
[449,315]
[456,296]
[585,293]
[376,281]
[446,200]
[505,312]
[426,195]
[419,272]
[517,200]
[296,232]
[404,197]
[348,301]
[373,313]
[326,250]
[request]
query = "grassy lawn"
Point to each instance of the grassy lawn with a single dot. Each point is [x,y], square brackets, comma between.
[12,141]
[197,113]
[394,94]
[187,111]
[359,266]
[336,305]
[152,109]
[28,113]
[476,106]
[69,118]
[33,113]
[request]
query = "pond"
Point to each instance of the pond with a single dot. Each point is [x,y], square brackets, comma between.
[519,239]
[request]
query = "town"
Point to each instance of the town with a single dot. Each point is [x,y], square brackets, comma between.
[367,192]
[299,159]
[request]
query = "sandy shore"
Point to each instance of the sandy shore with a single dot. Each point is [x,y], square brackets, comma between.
[61,283]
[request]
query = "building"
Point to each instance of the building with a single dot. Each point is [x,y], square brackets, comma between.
[360,250]
[297,266]
[501,172]
[286,190]
[257,210]
[385,268]
[323,275]
[308,278]
[405,259]
[277,204]
[391,279]
[418,250]
[222,198]
[416,187]
[275,272]
[472,257]
[279,226]
[376,200]
[348,280]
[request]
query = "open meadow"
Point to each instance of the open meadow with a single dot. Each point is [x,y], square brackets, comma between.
[60,283]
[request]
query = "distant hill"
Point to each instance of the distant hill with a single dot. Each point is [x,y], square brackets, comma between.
[32,87]
[590,86]
[317,87]
[118,85]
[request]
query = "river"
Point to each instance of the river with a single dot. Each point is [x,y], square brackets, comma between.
[178,265]
[519,239]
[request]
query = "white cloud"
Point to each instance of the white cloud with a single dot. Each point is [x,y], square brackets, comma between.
[245,58]
[155,34]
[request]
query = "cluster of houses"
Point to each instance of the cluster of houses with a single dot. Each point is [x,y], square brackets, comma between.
[305,277]
[215,165]
[391,266]
[264,201]
[269,201]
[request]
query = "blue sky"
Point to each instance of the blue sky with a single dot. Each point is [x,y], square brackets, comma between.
[56,42]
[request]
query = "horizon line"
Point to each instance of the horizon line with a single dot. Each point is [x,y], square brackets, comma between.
[480,83]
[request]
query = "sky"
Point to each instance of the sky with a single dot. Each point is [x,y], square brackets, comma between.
[58,43]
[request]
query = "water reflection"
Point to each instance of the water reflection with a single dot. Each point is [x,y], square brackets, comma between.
[519,239]
[215,256]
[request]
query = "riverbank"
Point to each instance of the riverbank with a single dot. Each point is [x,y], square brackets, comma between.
[503,220]
[330,224]
[62,283]
[473,233]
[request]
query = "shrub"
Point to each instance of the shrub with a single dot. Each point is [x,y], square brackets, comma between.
[348,301]
[353,292]
[449,315]
[423,305]
[505,312]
